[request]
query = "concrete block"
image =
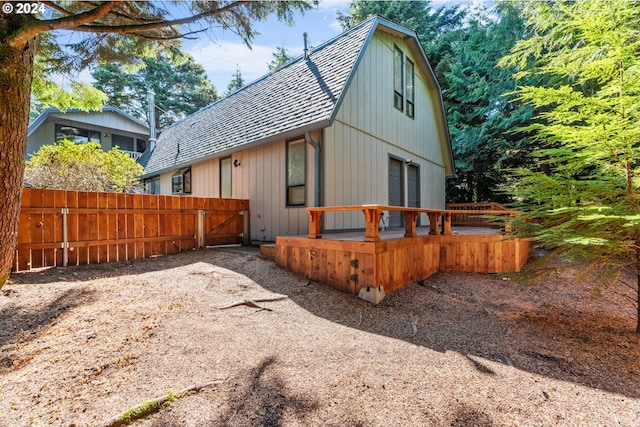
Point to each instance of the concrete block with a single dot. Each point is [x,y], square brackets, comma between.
[373,295]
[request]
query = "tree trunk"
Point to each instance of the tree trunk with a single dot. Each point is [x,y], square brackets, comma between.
[16,73]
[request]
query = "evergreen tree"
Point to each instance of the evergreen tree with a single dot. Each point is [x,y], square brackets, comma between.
[236,83]
[280,57]
[181,87]
[481,118]
[586,53]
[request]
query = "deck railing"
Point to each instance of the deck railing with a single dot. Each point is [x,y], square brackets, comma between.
[372,214]
[473,220]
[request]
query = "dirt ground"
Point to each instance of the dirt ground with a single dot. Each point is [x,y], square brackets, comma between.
[80,345]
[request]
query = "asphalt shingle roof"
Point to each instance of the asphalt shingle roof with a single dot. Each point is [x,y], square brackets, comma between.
[297,95]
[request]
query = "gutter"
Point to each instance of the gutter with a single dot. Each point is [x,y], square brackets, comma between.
[316,167]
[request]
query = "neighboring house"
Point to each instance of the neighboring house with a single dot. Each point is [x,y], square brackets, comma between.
[109,127]
[359,120]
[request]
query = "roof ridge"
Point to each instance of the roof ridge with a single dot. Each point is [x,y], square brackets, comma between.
[282,67]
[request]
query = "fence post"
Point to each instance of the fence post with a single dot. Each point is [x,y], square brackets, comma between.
[245,228]
[65,239]
[201,215]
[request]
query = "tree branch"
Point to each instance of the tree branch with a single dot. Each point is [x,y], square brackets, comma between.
[57,7]
[132,28]
[32,29]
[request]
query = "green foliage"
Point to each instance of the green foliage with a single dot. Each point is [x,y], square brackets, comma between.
[83,167]
[236,83]
[481,119]
[60,55]
[280,57]
[587,52]
[181,87]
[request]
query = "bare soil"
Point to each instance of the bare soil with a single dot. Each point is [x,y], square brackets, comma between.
[80,345]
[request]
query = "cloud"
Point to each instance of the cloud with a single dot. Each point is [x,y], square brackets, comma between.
[222,59]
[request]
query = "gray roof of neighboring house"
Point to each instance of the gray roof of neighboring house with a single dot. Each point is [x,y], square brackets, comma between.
[302,95]
[46,112]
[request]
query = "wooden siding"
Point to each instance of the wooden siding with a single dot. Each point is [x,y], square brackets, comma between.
[106,227]
[105,123]
[101,119]
[261,178]
[368,129]
[397,263]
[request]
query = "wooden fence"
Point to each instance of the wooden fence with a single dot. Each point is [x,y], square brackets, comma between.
[59,228]
[475,220]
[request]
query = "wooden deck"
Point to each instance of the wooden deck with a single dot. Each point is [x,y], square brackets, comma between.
[374,262]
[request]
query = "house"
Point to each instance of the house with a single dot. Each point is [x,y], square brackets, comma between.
[357,120]
[109,127]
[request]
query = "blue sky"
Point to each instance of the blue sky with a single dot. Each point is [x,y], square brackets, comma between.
[221,53]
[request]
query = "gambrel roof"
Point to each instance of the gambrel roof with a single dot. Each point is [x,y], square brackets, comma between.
[302,95]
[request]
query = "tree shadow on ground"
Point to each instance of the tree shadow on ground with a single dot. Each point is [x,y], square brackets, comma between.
[81,273]
[23,323]
[257,397]
[261,399]
[557,342]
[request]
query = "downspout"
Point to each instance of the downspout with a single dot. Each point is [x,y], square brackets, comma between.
[316,168]
[151,98]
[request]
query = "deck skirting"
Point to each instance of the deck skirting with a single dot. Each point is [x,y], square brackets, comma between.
[349,265]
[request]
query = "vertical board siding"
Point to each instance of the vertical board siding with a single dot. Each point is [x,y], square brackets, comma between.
[261,178]
[368,129]
[106,227]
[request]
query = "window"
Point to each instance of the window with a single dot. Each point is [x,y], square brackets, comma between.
[398,79]
[124,143]
[296,172]
[409,90]
[77,135]
[181,182]
[404,79]
[152,185]
[225,178]
[141,145]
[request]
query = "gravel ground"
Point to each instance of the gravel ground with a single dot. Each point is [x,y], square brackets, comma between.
[80,345]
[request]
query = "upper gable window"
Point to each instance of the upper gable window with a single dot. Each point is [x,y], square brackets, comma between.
[75,134]
[398,79]
[403,82]
[410,93]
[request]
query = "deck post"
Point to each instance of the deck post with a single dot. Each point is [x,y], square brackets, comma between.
[410,219]
[447,224]
[315,217]
[372,220]
[434,218]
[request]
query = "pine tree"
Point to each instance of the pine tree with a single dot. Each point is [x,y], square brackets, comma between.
[586,54]
[181,87]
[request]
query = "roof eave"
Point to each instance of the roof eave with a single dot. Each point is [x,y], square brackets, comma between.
[292,133]
[48,111]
